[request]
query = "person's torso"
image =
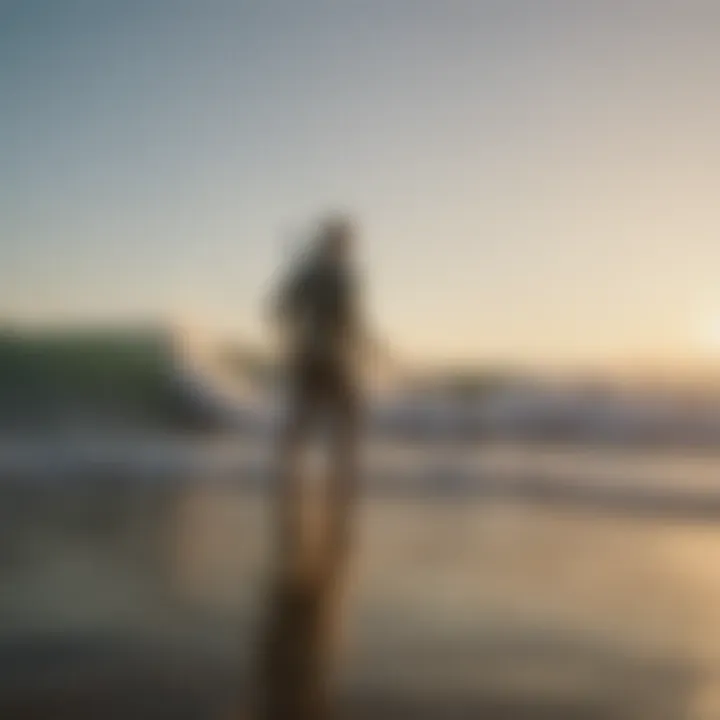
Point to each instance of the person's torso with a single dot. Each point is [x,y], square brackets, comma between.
[323,315]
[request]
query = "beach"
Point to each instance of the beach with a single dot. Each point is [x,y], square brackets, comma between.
[145,593]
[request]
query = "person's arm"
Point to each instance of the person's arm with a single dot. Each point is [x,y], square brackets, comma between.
[369,345]
[284,300]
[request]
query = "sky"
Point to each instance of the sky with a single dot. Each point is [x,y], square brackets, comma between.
[534,180]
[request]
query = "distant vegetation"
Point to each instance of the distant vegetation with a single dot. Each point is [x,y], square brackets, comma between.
[51,379]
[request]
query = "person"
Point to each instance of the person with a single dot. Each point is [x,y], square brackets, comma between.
[318,309]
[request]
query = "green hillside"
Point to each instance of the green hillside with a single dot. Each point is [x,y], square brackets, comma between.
[51,378]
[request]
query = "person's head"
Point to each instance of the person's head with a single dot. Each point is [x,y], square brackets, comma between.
[336,237]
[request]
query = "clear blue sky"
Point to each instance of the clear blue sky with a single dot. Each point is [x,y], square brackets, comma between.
[536,179]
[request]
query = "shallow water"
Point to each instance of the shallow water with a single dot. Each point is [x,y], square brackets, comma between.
[482,604]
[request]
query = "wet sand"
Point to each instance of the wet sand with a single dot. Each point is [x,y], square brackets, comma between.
[141,600]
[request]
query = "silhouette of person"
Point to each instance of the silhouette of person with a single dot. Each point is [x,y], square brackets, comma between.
[319,311]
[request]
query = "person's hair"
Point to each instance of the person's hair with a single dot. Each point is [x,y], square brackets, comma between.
[335,230]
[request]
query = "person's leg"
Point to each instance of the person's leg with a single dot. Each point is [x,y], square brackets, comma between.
[301,414]
[343,480]
[293,672]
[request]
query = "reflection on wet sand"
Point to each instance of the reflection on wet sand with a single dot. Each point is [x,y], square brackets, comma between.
[139,600]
